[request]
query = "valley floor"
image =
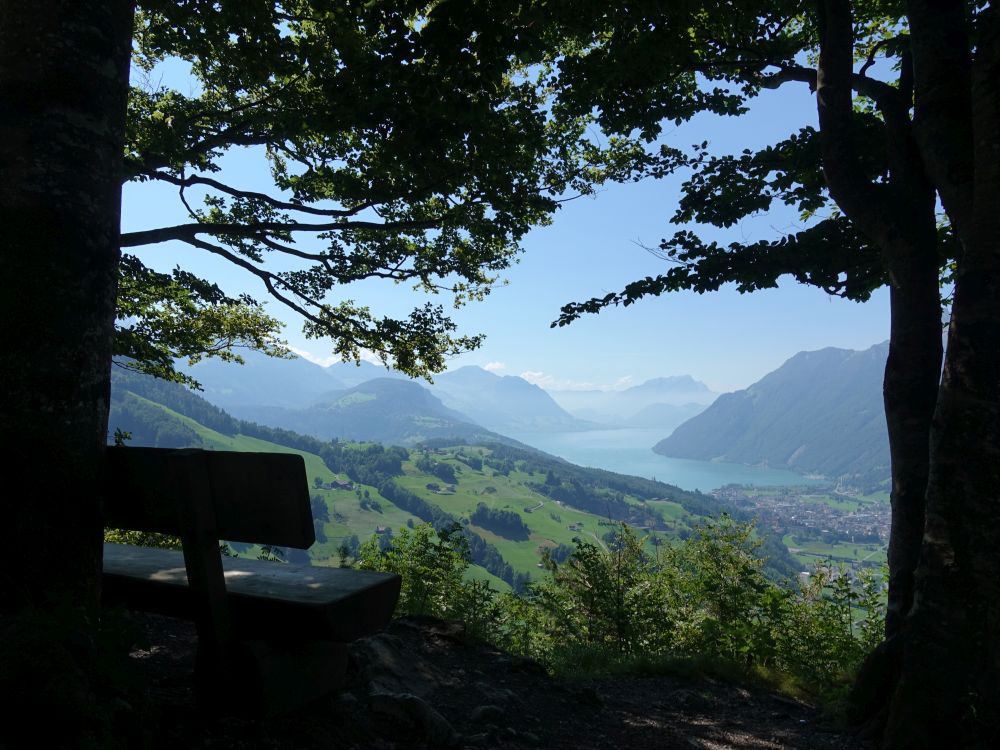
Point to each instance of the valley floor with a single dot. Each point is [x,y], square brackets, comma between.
[468,695]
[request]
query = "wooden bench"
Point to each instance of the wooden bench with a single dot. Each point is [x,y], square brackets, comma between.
[271,636]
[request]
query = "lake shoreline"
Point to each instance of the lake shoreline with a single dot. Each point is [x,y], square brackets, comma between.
[629,451]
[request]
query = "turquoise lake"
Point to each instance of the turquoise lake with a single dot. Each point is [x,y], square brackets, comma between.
[629,451]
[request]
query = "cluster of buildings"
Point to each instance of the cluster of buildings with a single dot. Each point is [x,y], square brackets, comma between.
[811,514]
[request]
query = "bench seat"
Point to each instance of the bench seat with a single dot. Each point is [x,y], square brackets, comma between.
[265,598]
[271,636]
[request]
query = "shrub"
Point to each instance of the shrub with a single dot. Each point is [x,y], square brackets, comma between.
[705,600]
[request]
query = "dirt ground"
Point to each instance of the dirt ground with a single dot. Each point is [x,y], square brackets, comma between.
[421,684]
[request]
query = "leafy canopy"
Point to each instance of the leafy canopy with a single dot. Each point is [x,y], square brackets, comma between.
[645,64]
[627,603]
[405,142]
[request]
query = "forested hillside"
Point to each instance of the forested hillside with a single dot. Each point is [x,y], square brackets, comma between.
[513,503]
[387,410]
[820,412]
[503,403]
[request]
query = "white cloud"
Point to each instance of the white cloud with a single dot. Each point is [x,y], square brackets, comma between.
[552,383]
[494,366]
[321,361]
[626,381]
[538,378]
[371,357]
[333,359]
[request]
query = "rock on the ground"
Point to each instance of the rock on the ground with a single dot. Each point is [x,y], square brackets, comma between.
[487,714]
[413,711]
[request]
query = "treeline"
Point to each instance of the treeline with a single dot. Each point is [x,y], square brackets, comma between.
[279,436]
[510,458]
[443,471]
[706,597]
[506,523]
[173,396]
[367,463]
[609,504]
[603,493]
[473,462]
[147,424]
[481,552]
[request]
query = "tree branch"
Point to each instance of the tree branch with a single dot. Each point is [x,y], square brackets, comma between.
[147,164]
[271,282]
[788,74]
[187,232]
[888,99]
[942,119]
[252,195]
[893,103]
[881,44]
[394,272]
[849,187]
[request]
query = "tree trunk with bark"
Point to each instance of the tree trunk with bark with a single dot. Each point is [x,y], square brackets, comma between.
[63,87]
[898,217]
[948,693]
[910,388]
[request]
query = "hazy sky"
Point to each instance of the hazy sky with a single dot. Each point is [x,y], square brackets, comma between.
[725,339]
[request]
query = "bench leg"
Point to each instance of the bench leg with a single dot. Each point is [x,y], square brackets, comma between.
[267,678]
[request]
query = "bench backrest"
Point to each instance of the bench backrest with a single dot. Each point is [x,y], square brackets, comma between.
[258,498]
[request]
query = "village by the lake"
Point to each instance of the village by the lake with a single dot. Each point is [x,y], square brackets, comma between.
[817,525]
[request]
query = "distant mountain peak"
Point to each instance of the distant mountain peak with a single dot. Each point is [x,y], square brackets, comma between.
[821,411]
[676,383]
[658,402]
[503,402]
[468,373]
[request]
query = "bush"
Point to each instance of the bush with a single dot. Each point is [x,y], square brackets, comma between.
[705,600]
[506,523]
[431,564]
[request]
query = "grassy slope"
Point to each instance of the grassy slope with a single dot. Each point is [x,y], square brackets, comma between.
[548,520]
[812,551]
[346,515]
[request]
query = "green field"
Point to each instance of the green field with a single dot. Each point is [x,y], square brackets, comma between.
[810,552]
[550,522]
[847,503]
[346,515]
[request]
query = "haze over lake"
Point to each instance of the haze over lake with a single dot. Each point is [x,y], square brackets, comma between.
[629,451]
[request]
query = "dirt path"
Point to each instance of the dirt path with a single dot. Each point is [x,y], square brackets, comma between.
[422,685]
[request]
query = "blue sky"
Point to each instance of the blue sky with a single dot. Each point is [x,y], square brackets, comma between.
[725,339]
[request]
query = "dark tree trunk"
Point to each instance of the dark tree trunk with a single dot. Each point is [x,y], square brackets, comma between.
[910,388]
[897,217]
[63,87]
[949,689]
[910,391]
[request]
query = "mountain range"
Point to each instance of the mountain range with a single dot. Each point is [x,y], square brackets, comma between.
[391,488]
[264,387]
[384,410]
[292,383]
[504,403]
[368,402]
[820,412]
[660,402]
